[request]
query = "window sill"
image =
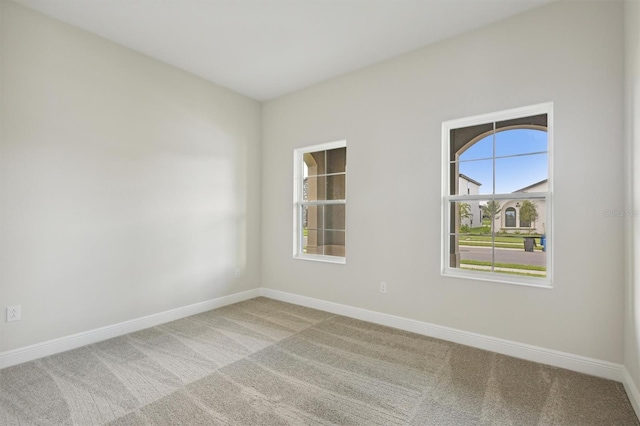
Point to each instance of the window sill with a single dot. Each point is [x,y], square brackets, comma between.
[493,277]
[321,258]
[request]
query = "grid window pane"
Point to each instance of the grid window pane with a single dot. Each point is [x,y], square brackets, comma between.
[336,160]
[483,148]
[320,197]
[475,216]
[313,241]
[314,163]
[321,188]
[336,187]
[315,188]
[520,141]
[517,174]
[466,217]
[503,253]
[474,177]
[334,243]
[520,255]
[312,217]
[334,216]
[504,233]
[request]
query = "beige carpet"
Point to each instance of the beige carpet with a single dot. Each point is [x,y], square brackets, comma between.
[264,362]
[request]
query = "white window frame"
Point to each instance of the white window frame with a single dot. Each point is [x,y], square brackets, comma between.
[447,199]
[298,202]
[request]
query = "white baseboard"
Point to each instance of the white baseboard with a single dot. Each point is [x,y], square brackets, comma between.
[29,353]
[632,390]
[594,367]
[572,362]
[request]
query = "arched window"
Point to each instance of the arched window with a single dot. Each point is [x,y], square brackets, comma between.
[506,156]
[510,218]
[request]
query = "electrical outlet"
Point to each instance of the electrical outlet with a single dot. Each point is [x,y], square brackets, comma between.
[383,287]
[238,273]
[14,313]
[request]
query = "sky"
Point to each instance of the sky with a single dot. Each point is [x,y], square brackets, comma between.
[512,173]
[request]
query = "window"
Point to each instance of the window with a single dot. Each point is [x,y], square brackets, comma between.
[320,177]
[510,217]
[505,159]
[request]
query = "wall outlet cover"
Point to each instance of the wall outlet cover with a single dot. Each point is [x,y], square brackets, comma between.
[14,313]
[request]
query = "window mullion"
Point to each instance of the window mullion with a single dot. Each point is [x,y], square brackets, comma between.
[493,192]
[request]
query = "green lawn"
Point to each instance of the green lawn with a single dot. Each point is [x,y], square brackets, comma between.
[481,237]
[520,245]
[504,265]
[523,274]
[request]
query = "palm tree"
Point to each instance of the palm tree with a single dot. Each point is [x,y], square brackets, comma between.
[464,211]
[491,209]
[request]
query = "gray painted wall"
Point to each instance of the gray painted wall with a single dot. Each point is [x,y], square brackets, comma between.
[127,187]
[570,53]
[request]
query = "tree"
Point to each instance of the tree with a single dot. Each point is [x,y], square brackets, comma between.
[528,213]
[464,211]
[491,209]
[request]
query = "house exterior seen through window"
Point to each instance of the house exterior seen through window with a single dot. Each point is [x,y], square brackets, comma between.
[497,196]
[320,199]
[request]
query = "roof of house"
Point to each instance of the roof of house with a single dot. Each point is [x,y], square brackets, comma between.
[530,186]
[470,180]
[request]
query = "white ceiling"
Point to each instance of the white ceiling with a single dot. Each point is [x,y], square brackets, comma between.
[267,48]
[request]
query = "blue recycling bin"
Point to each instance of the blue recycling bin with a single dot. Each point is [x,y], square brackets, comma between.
[543,242]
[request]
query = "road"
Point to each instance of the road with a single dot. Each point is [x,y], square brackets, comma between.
[537,258]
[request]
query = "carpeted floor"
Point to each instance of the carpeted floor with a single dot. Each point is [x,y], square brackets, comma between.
[264,362]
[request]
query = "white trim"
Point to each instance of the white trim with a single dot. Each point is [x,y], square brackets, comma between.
[632,390]
[507,114]
[594,367]
[321,258]
[322,146]
[497,277]
[39,350]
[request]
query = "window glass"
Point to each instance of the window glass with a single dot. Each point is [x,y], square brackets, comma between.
[320,202]
[497,215]
[510,217]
